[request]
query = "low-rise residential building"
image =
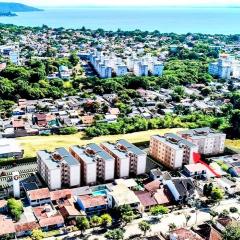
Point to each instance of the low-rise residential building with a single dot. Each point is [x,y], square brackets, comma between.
[121,195]
[59,168]
[195,170]
[96,163]
[183,234]
[182,189]
[209,142]
[129,158]
[92,205]
[172,150]
[38,197]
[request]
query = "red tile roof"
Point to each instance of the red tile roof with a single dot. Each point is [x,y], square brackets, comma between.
[92,201]
[69,211]
[60,194]
[18,123]
[146,198]
[152,186]
[38,194]
[183,234]
[161,197]
[7,226]
[51,221]
[22,227]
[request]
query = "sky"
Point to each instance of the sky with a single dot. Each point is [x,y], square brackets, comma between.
[125,2]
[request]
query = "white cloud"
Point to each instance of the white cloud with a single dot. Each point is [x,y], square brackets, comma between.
[125,2]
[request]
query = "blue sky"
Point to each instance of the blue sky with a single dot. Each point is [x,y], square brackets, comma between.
[126,2]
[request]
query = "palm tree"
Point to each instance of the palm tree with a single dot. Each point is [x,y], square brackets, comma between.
[144,226]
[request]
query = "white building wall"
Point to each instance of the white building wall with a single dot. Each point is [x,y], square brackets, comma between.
[141,164]
[124,167]
[54,179]
[90,173]
[75,175]
[109,170]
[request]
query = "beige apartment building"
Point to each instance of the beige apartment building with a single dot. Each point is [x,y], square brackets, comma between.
[209,142]
[95,162]
[129,158]
[172,150]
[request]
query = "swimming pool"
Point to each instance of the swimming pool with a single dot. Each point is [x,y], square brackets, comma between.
[100,193]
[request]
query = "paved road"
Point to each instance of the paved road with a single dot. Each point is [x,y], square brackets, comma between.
[176,217]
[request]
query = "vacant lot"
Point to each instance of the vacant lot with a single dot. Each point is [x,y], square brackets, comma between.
[36,143]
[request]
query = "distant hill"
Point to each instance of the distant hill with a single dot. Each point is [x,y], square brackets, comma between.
[16,7]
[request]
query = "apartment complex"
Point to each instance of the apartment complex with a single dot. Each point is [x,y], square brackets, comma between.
[172,150]
[226,67]
[209,142]
[95,162]
[107,64]
[129,158]
[58,169]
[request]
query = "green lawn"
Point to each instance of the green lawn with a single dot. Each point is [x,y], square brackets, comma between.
[36,143]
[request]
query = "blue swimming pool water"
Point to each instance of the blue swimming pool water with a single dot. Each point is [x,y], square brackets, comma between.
[100,193]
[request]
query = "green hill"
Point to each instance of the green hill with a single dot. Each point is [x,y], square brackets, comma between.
[16,7]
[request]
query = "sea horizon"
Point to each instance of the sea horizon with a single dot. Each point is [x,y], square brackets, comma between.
[165,19]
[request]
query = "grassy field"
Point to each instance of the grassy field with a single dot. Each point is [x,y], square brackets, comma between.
[36,143]
[233,144]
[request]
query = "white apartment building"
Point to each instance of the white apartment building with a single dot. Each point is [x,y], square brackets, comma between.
[226,67]
[58,169]
[95,162]
[171,150]
[129,158]
[140,69]
[106,65]
[209,142]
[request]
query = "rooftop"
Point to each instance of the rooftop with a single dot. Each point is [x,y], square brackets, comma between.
[90,201]
[36,194]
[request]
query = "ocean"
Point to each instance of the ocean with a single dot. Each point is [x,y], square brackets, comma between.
[163,19]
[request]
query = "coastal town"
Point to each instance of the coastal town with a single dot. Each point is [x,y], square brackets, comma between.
[58,83]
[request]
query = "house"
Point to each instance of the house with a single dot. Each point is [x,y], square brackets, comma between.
[64,72]
[182,189]
[227,185]
[121,195]
[223,222]
[114,111]
[195,170]
[207,232]
[92,205]
[7,226]
[60,194]
[146,199]
[40,119]
[184,234]
[39,197]
[48,217]
[25,229]
[88,119]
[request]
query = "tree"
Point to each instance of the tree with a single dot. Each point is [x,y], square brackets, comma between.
[217,194]
[172,226]
[159,209]
[37,234]
[232,232]
[83,224]
[74,59]
[106,220]
[144,226]
[115,234]
[15,207]
[95,221]
[127,213]
[213,214]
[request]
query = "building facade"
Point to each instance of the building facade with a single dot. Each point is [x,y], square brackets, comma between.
[129,158]
[172,150]
[209,142]
[58,169]
[95,162]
